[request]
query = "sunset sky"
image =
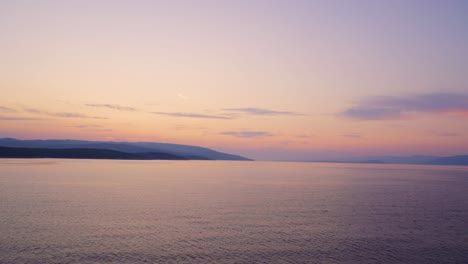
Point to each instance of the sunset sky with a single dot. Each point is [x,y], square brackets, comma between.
[266,79]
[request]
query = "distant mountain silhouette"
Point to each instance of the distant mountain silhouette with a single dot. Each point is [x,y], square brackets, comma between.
[82,153]
[452,160]
[416,159]
[348,161]
[184,151]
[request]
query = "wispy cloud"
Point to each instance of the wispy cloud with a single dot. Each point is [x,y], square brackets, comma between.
[192,115]
[64,102]
[33,111]
[229,113]
[260,111]
[393,107]
[61,114]
[445,134]
[247,134]
[304,135]
[94,128]
[372,113]
[352,135]
[186,127]
[5,109]
[74,115]
[182,96]
[114,107]
[88,126]
[18,118]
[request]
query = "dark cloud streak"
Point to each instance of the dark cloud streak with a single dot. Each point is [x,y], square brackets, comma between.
[192,115]
[114,107]
[353,135]
[372,113]
[7,109]
[446,134]
[247,134]
[61,114]
[19,118]
[260,111]
[88,126]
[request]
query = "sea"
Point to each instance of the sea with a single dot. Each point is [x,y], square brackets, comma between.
[113,211]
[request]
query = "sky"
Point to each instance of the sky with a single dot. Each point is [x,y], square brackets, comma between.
[267,79]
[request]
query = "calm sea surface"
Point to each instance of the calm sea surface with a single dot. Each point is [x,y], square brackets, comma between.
[100,211]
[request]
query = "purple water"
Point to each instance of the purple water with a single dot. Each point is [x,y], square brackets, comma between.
[88,211]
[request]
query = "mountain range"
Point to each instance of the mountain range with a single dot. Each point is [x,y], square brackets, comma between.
[415,159]
[55,148]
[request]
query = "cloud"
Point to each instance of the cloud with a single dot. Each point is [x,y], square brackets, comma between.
[64,102]
[114,107]
[33,111]
[372,113]
[93,127]
[393,107]
[186,127]
[260,111]
[229,113]
[192,115]
[353,135]
[7,109]
[100,129]
[73,115]
[182,96]
[88,126]
[61,114]
[446,134]
[16,118]
[247,134]
[304,135]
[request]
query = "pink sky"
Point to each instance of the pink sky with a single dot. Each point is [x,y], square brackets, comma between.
[265,79]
